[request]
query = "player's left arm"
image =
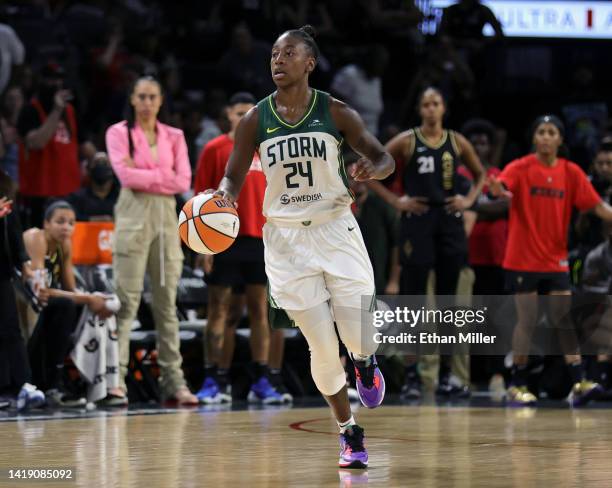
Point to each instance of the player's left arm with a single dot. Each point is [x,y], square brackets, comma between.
[473,164]
[375,163]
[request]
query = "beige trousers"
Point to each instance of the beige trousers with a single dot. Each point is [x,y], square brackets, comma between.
[146,240]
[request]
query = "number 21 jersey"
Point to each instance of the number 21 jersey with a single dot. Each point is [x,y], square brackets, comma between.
[432,170]
[302,162]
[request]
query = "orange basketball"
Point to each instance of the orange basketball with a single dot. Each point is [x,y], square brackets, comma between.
[208,224]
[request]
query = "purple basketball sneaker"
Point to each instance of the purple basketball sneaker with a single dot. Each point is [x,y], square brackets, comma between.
[353,453]
[370,382]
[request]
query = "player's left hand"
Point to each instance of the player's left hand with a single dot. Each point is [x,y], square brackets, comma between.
[363,170]
[457,203]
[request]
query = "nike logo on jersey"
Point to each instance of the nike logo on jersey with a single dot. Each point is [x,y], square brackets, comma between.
[421,149]
[270,130]
[350,229]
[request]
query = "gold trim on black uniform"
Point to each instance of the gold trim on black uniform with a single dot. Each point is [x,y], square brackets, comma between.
[440,143]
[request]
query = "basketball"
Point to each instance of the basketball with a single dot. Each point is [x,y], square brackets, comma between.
[208,224]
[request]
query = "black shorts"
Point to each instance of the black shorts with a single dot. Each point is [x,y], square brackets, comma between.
[242,264]
[435,233]
[543,283]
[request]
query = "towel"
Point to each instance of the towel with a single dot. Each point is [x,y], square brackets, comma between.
[96,354]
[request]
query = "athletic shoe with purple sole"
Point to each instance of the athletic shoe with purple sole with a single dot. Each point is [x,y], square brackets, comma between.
[583,392]
[370,382]
[353,453]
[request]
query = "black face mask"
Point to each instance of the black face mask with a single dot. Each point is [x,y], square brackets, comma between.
[101,173]
[46,94]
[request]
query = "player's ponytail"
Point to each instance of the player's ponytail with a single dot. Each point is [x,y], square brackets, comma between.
[306,34]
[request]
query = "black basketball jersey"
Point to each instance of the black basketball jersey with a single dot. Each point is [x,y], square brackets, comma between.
[432,170]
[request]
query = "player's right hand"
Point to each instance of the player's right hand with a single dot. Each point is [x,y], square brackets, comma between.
[413,205]
[221,194]
[97,304]
[62,97]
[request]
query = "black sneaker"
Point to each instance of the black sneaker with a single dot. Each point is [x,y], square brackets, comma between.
[412,388]
[58,398]
[449,388]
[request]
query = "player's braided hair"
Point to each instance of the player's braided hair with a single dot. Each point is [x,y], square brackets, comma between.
[306,34]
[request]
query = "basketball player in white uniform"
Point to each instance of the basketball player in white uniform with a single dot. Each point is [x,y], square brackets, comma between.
[316,262]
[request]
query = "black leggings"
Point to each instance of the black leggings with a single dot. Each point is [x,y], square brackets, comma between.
[50,342]
[14,365]
[413,279]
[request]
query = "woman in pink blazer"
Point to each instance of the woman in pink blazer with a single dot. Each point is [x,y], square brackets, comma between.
[151,162]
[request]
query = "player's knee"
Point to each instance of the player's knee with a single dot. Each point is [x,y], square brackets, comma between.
[329,378]
[258,315]
[356,329]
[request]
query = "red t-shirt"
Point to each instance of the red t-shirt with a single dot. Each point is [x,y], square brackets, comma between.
[487,243]
[53,170]
[540,212]
[210,171]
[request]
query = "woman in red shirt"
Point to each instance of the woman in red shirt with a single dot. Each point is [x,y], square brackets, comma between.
[544,189]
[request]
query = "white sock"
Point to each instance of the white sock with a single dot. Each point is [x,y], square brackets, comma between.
[345,425]
[362,357]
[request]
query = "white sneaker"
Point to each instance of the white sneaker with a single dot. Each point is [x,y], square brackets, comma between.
[30,397]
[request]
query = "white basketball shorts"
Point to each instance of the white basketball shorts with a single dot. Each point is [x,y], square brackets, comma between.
[308,264]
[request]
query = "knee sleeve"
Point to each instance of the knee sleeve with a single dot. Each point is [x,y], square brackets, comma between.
[355,325]
[317,326]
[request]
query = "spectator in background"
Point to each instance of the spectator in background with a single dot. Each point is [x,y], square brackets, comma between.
[487,243]
[360,84]
[601,174]
[462,25]
[240,267]
[585,112]
[49,151]
[214,122]
[444,69]
[12,102]
[597,280]
[246,64]
[301,12]
[151,162]
[12,53]
[544,188]
[51,251]
[96,200]
[464,21]
[432,230]
[15,373]
[587,229]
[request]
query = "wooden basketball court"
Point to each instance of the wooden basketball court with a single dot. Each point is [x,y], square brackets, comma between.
[426,446]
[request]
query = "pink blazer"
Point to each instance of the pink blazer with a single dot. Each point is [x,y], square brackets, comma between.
[169,174]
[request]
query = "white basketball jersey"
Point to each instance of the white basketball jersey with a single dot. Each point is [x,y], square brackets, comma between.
[302,162]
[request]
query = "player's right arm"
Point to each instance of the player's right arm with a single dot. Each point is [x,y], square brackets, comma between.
[401,147]
[241,157]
